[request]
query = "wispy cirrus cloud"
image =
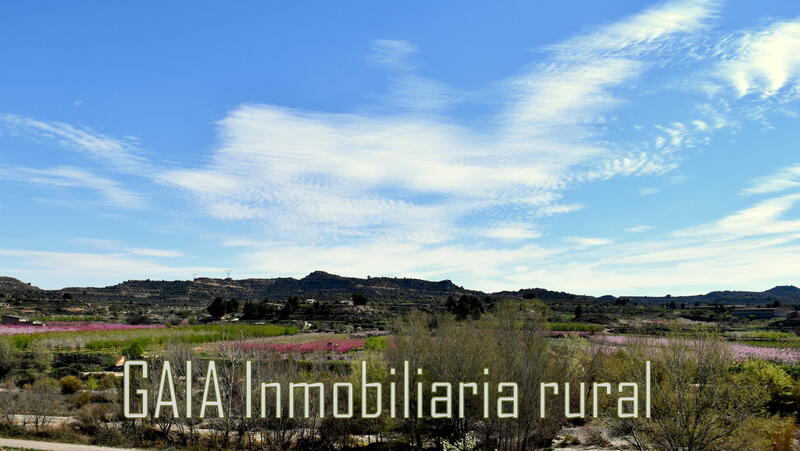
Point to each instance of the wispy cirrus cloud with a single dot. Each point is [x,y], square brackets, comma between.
[763,218]
[414,175]
[118,154]
[584,241]
[125,250]
[783,179]
[111,193]
[650,27]
[639,228]
[512,231]
[407,186]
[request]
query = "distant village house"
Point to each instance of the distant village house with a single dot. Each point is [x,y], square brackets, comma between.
[14,320]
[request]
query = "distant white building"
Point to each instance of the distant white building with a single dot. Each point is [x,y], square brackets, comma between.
[15,320]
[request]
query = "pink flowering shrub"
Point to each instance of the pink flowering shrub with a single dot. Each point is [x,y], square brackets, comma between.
[782,355]
[740,351]
[69,327]
[337,346]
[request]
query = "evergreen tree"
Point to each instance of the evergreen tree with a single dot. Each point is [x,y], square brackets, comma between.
[217,308]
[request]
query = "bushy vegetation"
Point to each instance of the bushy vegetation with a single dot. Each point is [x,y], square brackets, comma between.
[705,397]
[576,327]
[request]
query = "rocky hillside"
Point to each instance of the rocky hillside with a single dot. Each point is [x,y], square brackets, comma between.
[12,285]
[319,285]
[785,295]
[325,286]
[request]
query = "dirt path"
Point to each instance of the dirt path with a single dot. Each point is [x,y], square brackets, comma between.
[53,446]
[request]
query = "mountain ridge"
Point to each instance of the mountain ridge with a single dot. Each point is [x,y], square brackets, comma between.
[328,286]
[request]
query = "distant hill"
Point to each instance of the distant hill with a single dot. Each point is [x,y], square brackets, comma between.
[785,294]
[787,291]
[10,284]
[319,285]
[325,286]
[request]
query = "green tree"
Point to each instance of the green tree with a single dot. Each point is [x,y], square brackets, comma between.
[217,308]
[450,304]
[359,299]
[232,306]
[250,310]
[291,306]
[7,358]
[783,392]
[468,306]
[134,350]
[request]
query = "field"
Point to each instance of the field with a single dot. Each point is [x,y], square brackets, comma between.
[62,381]
[97,337]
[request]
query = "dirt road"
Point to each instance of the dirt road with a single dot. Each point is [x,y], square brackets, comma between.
[53,446]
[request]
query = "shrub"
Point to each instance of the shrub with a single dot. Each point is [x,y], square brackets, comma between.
[45,384]
[83,361]
[576,327]
[70,385]
[135,350]
[376,343]
[781,388]
[91,383]
[107,382]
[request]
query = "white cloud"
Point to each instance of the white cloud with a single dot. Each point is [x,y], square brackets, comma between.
[163,253]
[479,266]
[513,231]
[639,228]
[763,218]
[240,242]
[116,245]
[646,28]
[764,61]
[112,193]
[583,241]
[314,175]
[59,269]
[407,89]
[119,153]
[555,209]
[783,179]
[641,163]
[648,190]
[392,53]
[673,266]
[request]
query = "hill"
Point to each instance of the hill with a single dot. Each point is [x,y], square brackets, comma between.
[325,286]
[787,291]
[785,294]
[12,285]
[319,285]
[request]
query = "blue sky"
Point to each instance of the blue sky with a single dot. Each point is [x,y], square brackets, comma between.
[594,147]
